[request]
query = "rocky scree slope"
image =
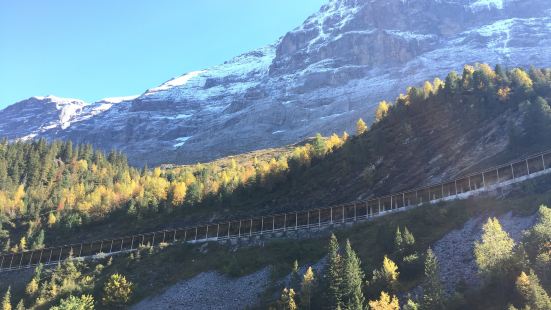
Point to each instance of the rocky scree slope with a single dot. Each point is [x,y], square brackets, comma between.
[319,77]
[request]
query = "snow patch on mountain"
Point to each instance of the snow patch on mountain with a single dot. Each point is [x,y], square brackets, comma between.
[486,4]
[408,35]
[180,141]
[115,100]
[335,10]
[234,76]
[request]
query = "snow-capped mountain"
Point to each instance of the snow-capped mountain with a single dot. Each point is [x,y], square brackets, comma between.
[320,77]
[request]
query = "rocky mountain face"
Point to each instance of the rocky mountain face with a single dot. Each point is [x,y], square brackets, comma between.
[320,77]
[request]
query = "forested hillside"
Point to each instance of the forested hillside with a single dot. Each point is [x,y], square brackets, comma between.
[484,115]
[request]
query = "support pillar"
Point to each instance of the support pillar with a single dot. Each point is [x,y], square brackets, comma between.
[262,225]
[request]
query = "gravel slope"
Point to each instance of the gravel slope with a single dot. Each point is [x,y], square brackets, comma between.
[455,251]
[210,290]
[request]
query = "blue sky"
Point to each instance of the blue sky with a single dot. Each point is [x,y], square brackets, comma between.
[104,48]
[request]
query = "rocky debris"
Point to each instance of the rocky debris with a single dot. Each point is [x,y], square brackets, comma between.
[455,251]
[320,77]
[210,290]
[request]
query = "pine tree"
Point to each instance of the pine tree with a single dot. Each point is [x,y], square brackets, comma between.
[295,277]
[38,242]
[306,288]
[433,293]
[353,276]
[398,241]
[385,302]
[361,127]
[409,239]
[6,302]
[320,148]
[334,274]
[494,253]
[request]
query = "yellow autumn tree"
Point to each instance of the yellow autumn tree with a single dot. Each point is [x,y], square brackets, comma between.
[51,219]
[361,127]
[385,302]
[382,110]
[427,88]
[117,291]
[178,192]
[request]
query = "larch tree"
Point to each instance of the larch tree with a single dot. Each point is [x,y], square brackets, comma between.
[117,291]
[84,302]
[390,272]
[306,288]
[20,305]
[428,89]
[6,302]
[361,127]
[533,295]
[433,292]
[353,276]
[178,192]
[385,302]
[287,300]
[494,253]
[382,110]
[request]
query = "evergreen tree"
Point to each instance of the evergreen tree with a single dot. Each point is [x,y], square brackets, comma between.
[361,127]
[320,148]
[452,83]
[398,241]
[334,274]
[353,297]
[409,240]
[494,253]
[306,288]
[433,293]
[6,302]
[38,242]
[295,277]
